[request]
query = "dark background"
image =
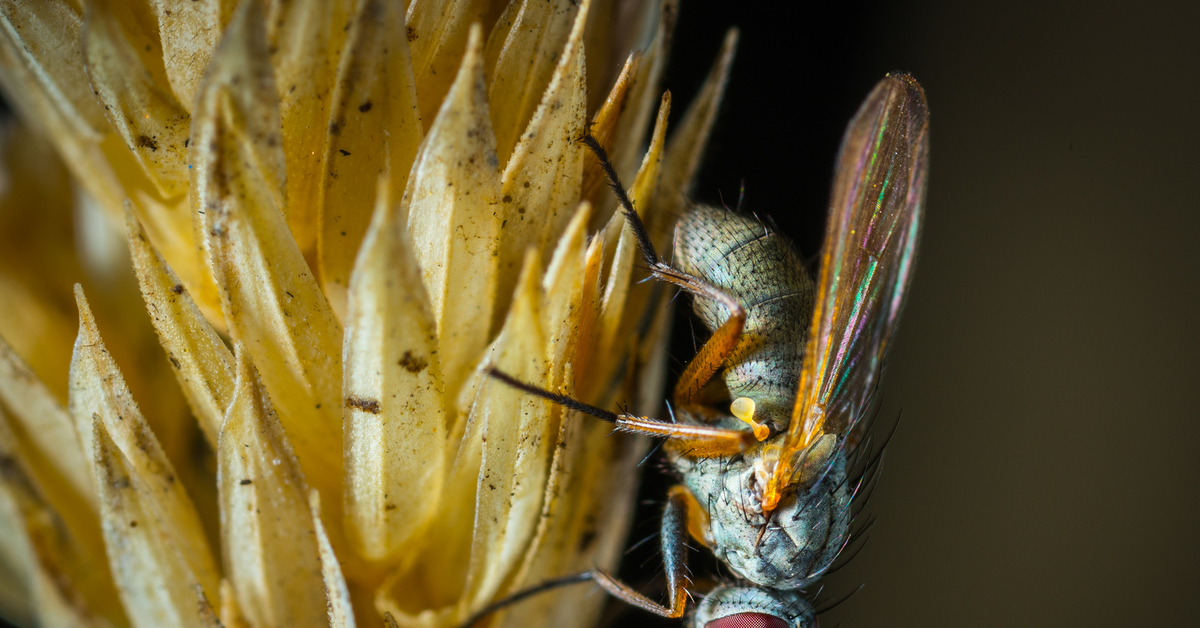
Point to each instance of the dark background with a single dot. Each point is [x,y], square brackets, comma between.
[1045,471]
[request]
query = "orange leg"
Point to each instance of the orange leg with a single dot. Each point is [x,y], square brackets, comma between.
[697,441]
[709,360]
[722,343]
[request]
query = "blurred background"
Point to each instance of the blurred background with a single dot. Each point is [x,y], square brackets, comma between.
[1045,471]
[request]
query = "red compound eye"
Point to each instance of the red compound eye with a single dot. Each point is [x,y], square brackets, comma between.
[748,620]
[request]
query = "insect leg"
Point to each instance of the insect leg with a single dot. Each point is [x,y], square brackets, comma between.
[682,511]
[525,593]
[699,441]
[674,550]
[723,341]
[709,359]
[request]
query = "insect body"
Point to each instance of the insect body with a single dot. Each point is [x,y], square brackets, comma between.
[765,482]
[759,269]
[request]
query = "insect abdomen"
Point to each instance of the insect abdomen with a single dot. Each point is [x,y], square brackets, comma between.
[760,269]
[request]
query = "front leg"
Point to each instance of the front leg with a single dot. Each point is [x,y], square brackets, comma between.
[724,340]
[695,441]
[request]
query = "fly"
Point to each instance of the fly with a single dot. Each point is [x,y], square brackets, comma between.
[765,482]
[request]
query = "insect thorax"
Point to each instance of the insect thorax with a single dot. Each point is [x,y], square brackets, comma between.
[762,270]
[805,532]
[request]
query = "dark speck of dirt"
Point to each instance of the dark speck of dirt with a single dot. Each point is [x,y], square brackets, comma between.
[413,363]
[145,141]
[585,541]
[366,405]
[365,107]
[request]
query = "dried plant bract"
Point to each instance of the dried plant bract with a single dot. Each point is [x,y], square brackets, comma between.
[257,257]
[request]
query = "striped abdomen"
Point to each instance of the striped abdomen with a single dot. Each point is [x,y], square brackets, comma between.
[762,270]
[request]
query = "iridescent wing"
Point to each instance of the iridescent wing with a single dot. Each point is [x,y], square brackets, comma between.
[866,262]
